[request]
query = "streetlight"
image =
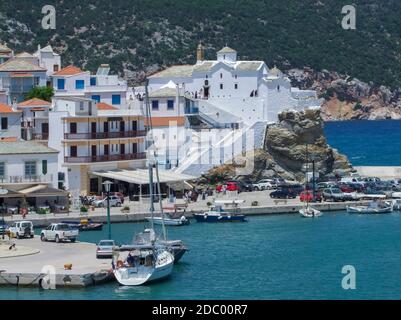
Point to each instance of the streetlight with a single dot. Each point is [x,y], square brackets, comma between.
[107,185]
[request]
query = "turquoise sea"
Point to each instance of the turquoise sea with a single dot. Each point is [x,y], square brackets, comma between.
[276,257]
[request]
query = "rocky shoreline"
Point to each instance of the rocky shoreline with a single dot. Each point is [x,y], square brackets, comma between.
[347,98]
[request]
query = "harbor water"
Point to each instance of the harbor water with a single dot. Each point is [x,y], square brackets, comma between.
[278,256]
[270,257]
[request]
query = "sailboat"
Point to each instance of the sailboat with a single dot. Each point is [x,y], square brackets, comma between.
[139,264]
[307,211]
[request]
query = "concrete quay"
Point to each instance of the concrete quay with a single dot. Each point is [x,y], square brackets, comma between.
[49,259]
[139,211]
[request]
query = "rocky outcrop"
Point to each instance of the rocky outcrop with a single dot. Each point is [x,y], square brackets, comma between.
[289,144]
[347,98]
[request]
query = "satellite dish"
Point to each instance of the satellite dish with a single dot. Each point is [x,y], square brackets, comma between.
[3,191]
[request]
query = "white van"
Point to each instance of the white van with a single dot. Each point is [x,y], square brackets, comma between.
[22,229]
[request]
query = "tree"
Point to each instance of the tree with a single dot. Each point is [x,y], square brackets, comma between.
[44,93]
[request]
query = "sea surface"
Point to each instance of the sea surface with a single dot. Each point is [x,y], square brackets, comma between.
[367,143]
[278,256]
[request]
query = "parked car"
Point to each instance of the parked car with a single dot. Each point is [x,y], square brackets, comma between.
[264,184]
[105,249]
[335,194]
[295,187]
[114,202]
[246,185]
[230,186]
[59,232]
[3,227]
[324,185]
[22,229]
[307,195]
[283,193]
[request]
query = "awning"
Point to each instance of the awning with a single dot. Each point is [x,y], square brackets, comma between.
[141,176]
[21,75]
[33,189]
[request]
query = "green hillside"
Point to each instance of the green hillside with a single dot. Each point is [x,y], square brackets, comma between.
[147,35]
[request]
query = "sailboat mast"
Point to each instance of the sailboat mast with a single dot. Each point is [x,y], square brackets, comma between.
[151,164]
[150,161]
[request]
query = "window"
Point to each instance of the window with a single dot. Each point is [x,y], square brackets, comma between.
[30,168]
[4,123]
[115,99]
[36,81]
[55,67]
[134,148]
[236,86]
[2,170]
[93,81]
[155,105]
[278,88]
[44,167]
[235,76]
[81,106]
[206,82]
[221,86]
[96,98]
[73,151]
[221,76]
[79,84]
[73,127]
[60,84]
[170,104]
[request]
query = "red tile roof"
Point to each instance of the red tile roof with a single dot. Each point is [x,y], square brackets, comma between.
[34,102]
[105,106]
[6,109]
[68,71]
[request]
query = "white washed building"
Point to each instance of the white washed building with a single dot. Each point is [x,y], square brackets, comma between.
[10,123]
[94,136]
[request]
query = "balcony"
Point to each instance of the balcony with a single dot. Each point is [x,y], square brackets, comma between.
[104,135]
[106,158]
[26,179]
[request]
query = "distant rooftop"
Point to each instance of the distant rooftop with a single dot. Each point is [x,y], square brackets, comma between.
[24,147]
[105,106]
[34,102]
[4,108]
[68,71]
[227,50]
[19,65]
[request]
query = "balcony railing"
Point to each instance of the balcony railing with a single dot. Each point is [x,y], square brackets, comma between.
[106,158]
[104,135]
[27,179]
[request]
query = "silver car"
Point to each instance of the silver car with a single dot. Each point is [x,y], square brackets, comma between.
[105,249]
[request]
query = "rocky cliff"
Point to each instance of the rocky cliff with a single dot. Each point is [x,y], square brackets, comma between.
[297,137]
[346,98]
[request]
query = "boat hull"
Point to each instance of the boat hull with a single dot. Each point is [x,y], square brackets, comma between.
[168,221]
[137,276]
[310,213]
[202,217]
[367,210]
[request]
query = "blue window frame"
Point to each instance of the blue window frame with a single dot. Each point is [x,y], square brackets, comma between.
[79,84]
[96,98]
[93,81]
[170,104]
[60,84]
[155,105]
[116,99]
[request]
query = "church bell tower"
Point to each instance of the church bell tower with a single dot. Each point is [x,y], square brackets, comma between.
[200,53]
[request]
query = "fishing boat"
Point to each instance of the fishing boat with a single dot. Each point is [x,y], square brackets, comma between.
[85,225]
[218,214]
[309,212]
[182,221]
[396,204]
[373,207]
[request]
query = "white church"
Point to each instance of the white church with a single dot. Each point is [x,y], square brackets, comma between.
[214,106]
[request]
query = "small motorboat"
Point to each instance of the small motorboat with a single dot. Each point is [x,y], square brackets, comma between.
[218,214]
[373,207]
[396,204]
[182,221]
[85,225]
[309,212]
